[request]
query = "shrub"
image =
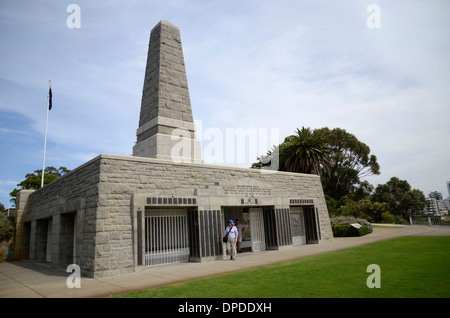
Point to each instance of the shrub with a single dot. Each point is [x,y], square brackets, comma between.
[347,220]
[342,220]
[400,220]
[341,226]
[7,227]
[366,224]
[388,217]
[344,230]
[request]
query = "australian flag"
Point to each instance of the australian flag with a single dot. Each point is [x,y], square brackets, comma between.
[49,98]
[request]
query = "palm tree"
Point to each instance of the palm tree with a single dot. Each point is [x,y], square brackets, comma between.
[305,152]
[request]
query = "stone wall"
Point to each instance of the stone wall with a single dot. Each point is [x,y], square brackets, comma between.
[122,177]
[105,192]
[75,193]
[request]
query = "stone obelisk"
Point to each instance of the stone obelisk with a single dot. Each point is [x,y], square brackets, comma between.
[166,126]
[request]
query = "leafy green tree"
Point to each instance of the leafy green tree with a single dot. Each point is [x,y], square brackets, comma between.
[33,180]
[399,195]
[362,191]
[337,156]
[350,161]
[365,209]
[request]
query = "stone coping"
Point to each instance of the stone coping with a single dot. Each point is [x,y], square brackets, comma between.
[169,162]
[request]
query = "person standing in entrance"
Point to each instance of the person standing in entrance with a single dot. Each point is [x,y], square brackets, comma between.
[240,228]
[232,234]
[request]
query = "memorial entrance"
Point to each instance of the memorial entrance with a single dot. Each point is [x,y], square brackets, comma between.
[253,238]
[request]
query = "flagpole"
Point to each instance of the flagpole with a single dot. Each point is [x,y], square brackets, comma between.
[45,135]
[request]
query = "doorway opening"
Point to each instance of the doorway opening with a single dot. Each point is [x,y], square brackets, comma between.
[67,238]
[252,220]
[297,225]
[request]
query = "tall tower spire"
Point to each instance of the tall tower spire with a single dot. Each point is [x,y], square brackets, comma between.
[166,126]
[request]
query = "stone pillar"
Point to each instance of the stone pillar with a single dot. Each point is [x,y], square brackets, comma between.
[166,127]
[311,225]
[211,230]
[283,226]
[270,227]
[33,241]
[22,235]
[57,231]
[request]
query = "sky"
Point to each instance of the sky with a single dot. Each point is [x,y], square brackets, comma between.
[380,72]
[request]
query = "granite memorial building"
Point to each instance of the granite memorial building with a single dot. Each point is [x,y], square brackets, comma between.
[117,214]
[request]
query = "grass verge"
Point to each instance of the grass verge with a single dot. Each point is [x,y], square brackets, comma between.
[410,267]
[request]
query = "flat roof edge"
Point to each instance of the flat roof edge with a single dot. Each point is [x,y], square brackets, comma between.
[161,161]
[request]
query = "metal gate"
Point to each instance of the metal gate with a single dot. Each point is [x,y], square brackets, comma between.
[257,229]
[166,236]
[427,220]
[297,226]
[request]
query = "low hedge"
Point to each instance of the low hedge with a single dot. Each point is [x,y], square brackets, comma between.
[343,230]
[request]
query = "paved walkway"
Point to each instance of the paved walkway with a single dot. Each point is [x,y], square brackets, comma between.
[26,279]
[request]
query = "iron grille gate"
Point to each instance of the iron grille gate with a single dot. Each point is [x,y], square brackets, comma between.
[166,236]
[257,229]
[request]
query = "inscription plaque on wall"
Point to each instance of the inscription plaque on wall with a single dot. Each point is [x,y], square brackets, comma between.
[246,190]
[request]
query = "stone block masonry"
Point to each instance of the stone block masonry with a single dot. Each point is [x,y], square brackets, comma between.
[166,104]
[165,91]
[70,202]
[106,193]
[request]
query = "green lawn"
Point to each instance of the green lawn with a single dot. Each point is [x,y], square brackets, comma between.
[409,266]
[386,226]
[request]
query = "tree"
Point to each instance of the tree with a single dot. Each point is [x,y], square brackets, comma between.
[399,195]
[305,152]
[350,161]
[362,191]
[365,209]
[336,155]
[33,180]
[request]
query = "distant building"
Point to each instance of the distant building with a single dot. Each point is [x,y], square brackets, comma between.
[442,207]
[431,207]
[436,195]
[436,207]
[446,203]
[437,204]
